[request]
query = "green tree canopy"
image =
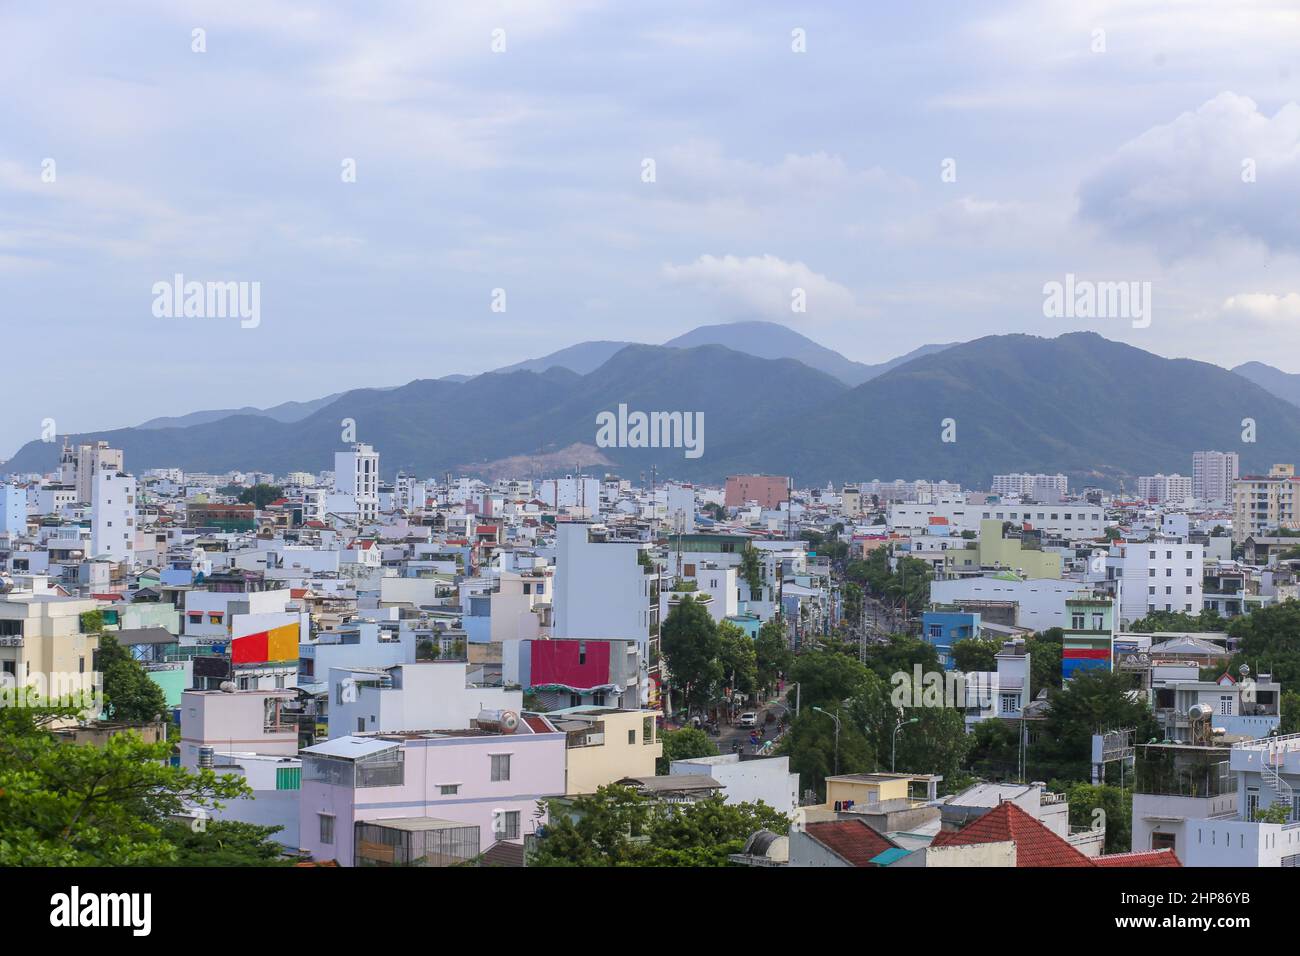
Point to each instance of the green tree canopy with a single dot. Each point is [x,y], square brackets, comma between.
[65,804]
[261,495]
[976,654]
[683,745]
[129,694]
[692,650]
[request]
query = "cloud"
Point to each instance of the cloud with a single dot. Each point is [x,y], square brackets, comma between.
[1221,174]
[1265,308]
[766,285]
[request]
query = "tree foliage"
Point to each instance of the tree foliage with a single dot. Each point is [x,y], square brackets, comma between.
[64,804]
[129,694]
[683,745]
[261,495]
[692,650]
[772,655]
[975,654]
[617,827]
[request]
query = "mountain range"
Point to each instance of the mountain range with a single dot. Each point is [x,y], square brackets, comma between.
[1099,411]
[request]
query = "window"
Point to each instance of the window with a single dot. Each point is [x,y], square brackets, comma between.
[449,789]
[326,828]
[288,778]
[1097,621]
[500,767]
[511,829]
[1010,703]
[1225,706]
[936,630]
[1076,621]
[631,737]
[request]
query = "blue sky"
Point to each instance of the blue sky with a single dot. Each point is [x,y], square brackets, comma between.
[521,170]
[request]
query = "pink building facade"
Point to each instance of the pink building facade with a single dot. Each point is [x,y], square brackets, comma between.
[490,780]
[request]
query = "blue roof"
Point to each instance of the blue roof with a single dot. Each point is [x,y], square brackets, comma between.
[889,856]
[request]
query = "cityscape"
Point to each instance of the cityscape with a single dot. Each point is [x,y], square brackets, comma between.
[556,434]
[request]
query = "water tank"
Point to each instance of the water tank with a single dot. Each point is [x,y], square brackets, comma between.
[1198,712]
[206,757]
[227,687]
[502,721]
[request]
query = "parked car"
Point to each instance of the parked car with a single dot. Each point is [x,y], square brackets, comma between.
[749,719]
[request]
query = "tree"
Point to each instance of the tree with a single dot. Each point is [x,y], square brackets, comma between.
[714,511]
[1044,650]
[1269,640]
[261,495]
[85,805]
[617,827]
[225,843]
[1160,621]
[751,571]
[1115,804]
[129,694]
[771,653]
[690,646]
[683,745]
[938,743]
[827,676]
[976,654]
[1275,813]
[810,745]
[738,659]
[1091,702]
[1290,710]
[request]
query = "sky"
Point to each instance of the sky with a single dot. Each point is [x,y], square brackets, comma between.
[622,171]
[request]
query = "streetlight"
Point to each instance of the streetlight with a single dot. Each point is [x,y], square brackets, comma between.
[893,749]
[835,718]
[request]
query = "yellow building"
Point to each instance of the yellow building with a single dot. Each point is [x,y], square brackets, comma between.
[605,745]
[864,789]
[994,551]
[1262,503]
[42,645]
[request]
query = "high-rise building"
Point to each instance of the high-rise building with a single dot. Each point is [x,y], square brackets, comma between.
[112,524]
[1164,488]
[1213,473]
[1262,503]
[90,459]
[1031,485]
[356,474]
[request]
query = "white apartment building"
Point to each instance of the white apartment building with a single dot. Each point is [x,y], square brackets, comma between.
[90,460]
[1160,575]
[571,492]
[1068,520]
[1030,485]
[13,510]
[356,475]
[1213,474]
[409,696]
[1164,488]
[1263,503]
[112,523]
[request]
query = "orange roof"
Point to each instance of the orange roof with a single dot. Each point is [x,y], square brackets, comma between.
[851,840]
[1036,845]
[1144,858]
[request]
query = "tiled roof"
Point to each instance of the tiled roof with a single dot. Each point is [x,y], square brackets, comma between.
[852,840]
[540,725]
[1140,858]
[1036,845]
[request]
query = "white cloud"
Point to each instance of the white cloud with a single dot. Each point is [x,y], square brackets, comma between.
[765,285]
[1184,186]
[1265,308]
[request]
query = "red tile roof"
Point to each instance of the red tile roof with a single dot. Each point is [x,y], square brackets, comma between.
[851,840]
[1140,858]
[1036,845]
[540,725]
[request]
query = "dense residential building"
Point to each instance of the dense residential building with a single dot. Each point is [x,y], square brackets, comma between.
[769,491]
[1263,503]
[1213,475]
[1039,487]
